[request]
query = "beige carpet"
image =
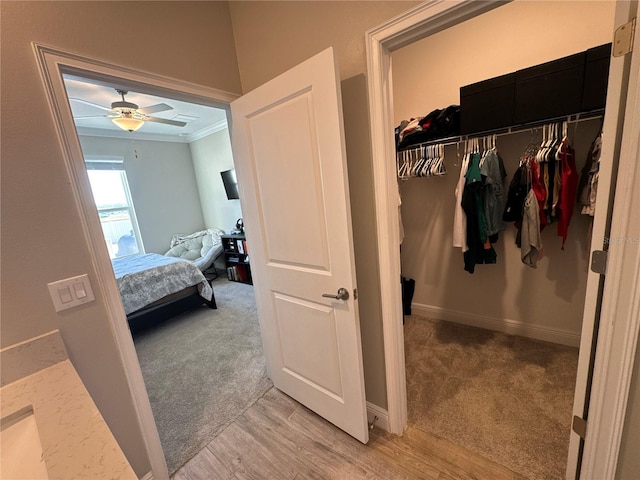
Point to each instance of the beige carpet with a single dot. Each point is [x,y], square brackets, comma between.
[203,368]
[505,397]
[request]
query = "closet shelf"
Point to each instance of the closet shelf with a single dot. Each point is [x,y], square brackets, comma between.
[574,118]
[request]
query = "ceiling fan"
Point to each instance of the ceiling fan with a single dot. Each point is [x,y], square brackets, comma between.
[129,116]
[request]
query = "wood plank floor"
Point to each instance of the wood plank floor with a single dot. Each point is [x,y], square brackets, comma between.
[277,438]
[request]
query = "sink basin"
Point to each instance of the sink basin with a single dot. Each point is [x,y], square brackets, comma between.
[21,450]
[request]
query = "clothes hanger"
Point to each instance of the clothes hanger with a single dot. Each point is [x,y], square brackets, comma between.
[438,160]
[417,162]
[406,164]
[484,150]
[401,163]
[426,164]
[565,143]
[442,169]
[531,150]
[419,170]
[551,150]
[543,146]
[433,158]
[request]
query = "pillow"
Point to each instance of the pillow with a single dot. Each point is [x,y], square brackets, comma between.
[179,238]
[189,249]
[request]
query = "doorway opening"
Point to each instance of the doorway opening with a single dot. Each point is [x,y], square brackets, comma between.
[160,196]
[490,365]
[420,23]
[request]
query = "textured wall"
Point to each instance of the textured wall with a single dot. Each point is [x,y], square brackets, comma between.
[272,37]
[42,237]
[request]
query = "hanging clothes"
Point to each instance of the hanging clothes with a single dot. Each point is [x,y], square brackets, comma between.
[525,180]
[531,239]
[518,189]
[569,186]
[588,184]
[459,217]
[479,246]
[550,182]
[540,193]
[493,173]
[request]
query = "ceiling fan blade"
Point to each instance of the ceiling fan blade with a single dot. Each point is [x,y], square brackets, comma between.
[82,117]
[166,121]
[79,100]
[160,107]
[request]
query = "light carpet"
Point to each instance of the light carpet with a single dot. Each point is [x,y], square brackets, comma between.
[202,369]
[505,397]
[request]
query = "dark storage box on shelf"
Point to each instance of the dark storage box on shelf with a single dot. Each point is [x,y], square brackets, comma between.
[487,105]
[550,90]
[562,87]
[236,258]
[596,77]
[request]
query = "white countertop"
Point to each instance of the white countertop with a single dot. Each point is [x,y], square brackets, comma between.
[76,441]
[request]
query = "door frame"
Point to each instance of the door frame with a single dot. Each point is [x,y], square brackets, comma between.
[617,341]
[52,63]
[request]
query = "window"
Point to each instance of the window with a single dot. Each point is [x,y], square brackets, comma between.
[113,199]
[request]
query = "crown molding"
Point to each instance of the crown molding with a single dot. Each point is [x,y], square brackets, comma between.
[153,137]
[216,127]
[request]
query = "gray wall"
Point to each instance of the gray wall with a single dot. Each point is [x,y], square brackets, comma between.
[163,186]
[272,37]
[42,237]
[361,190]
[212,155]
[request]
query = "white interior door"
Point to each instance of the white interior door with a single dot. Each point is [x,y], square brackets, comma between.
[612,135]
[288,143]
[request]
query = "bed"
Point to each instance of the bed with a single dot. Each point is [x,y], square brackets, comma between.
[150,281]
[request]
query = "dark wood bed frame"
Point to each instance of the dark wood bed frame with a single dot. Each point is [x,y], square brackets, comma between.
[173,298]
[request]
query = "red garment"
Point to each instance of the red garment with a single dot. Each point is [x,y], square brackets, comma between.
[540,192]
[568,189]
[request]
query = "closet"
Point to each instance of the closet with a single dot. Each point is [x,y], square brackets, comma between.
[543,305]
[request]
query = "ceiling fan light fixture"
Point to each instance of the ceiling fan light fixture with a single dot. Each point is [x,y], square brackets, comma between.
[129,124]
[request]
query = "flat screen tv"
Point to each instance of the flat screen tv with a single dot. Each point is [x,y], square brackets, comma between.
[230,184]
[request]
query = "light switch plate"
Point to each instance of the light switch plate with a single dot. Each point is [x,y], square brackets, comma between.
[75,287]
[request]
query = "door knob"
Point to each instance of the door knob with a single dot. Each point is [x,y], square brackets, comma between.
[343,294]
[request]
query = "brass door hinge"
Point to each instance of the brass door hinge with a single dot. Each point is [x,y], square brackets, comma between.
[623,39]
[599,262]
[579,426]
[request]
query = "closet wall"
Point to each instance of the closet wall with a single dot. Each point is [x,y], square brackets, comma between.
[546,302]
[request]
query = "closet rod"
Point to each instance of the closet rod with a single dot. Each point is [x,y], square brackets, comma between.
[498,132]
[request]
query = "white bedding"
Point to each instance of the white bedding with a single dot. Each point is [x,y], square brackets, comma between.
[146,278]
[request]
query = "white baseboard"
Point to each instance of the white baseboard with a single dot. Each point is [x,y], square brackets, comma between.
[512,327]
[376,411]
[147,476]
